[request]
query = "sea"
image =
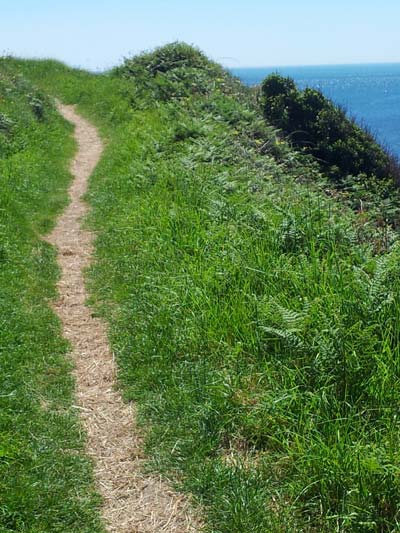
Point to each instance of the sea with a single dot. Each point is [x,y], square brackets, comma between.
[370,93]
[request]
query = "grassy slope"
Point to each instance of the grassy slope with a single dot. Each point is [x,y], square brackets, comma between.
[44,478]
[252,319]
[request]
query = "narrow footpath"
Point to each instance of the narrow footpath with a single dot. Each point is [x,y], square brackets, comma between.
[132,502]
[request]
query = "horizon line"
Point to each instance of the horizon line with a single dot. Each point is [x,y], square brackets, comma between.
[357,64]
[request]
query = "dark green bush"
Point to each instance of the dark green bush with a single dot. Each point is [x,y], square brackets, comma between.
[319,127]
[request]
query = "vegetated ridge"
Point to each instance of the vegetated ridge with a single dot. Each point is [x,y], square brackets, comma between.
[253,301]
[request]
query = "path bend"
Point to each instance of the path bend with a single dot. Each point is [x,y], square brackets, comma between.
[132,502]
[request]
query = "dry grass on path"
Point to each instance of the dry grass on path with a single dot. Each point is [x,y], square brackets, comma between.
[132,502]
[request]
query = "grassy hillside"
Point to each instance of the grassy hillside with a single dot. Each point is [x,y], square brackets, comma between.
[44,478]
[254,317]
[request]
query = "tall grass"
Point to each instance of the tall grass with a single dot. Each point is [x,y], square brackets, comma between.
[45,479]
[255,319]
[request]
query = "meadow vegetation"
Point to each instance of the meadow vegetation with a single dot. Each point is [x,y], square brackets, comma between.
[254,315]
[45,479]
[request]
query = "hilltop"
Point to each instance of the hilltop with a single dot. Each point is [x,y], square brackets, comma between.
[252,297]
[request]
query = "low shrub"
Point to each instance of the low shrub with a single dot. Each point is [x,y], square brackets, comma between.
[319,127]
[176,70]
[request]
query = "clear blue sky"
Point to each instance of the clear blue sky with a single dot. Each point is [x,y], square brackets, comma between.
[99,33]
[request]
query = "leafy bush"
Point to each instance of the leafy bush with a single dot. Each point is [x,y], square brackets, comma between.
[321,128]
[176,70]
[167,58]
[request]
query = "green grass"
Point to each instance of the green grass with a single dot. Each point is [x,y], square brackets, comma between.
[254,318]
[45,479]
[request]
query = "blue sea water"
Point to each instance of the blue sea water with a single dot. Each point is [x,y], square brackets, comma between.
[369,93]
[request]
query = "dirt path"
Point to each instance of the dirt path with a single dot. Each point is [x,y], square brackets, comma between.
[132,502]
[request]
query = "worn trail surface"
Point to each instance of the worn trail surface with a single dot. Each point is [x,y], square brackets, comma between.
[132,502]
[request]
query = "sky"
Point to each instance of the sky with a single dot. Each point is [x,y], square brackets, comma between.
[98,34]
